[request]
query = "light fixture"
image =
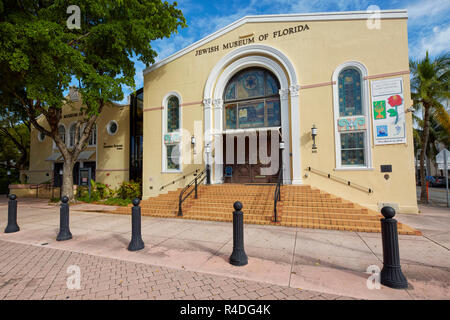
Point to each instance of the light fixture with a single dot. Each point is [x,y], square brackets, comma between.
[60,171]
[281,145]
[314,134]
[8,172]
[193,140]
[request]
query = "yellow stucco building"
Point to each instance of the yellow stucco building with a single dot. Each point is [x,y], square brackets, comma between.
[113,145]
[330,91]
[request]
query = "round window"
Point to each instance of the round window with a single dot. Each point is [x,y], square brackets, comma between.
[41,136]
[112,127]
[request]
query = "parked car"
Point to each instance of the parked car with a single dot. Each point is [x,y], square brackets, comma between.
[431,180]
[439,182]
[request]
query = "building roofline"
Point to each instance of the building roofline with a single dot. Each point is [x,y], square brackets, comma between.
[303,17]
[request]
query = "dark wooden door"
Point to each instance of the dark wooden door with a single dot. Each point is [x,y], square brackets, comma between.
[248,172]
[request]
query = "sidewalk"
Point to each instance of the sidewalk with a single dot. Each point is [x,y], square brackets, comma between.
[319,261]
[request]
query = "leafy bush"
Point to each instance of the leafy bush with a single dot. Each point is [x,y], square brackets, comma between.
[99,191]
[129,190]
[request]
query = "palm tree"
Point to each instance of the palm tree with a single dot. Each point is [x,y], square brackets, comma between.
[430,86]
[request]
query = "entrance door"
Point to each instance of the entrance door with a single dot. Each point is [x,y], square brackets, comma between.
[59,166]
[247,172]
[90,164]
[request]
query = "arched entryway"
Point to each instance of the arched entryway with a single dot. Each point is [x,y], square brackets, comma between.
[252,117]
[275,63]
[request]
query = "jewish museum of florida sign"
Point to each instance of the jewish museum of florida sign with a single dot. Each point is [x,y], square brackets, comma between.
[388,111]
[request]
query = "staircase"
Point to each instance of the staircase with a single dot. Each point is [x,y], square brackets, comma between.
[300,206]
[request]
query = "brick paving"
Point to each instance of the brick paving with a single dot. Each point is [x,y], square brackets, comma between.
[33,272]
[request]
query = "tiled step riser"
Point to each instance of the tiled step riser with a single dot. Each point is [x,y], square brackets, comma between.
[300,206]
[299,210]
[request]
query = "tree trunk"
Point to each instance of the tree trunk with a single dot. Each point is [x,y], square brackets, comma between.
[426,132]
[67,185]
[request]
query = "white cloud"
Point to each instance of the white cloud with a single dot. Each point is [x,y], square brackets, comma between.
[435,43]
[421,11]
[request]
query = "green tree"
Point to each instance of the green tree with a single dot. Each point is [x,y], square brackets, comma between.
[429,86]
[40,56]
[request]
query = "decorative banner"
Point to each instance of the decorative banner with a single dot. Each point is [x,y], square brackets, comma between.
[351,124]
[388,113]
[172,138]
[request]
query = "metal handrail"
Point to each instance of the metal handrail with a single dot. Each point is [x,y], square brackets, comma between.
[45,183]
[198,179]
[338,179]
[178,179]
[277,195]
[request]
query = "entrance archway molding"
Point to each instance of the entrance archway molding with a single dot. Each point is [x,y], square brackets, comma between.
[254,56]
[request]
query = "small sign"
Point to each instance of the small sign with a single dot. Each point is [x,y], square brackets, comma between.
[386,168]
[85,176]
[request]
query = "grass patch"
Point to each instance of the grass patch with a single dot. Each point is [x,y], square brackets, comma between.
[117,202]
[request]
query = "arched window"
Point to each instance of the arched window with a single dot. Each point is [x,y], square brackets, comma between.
[62,133]
[350,103]
[173,114]
[93,136]
[72,132]
[251,100]
[172,133]
[351,111]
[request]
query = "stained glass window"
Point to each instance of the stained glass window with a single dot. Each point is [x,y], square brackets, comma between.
[251,115]
[230,116]
[349,83]
[254,94]
[273,113]
[173,157]
[173,114]
[352,149]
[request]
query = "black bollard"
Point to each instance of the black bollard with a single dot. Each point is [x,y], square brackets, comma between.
[136,238]
[12,215]
[64,231]
[391,275]
[238,257]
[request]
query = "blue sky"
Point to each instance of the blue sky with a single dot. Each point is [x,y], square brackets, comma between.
[428,21]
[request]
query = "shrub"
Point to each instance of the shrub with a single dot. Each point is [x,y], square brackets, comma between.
[99,191]
[129,190]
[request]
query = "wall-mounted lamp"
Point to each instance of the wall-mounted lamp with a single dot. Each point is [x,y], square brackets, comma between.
[314,134]
[281,145]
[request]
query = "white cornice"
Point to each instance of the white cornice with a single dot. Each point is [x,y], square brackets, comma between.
[300,17]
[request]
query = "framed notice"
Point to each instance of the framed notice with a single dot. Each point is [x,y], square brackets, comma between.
[388,111]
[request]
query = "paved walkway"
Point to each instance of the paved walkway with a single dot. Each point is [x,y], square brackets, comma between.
[31,272]
[323,264]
